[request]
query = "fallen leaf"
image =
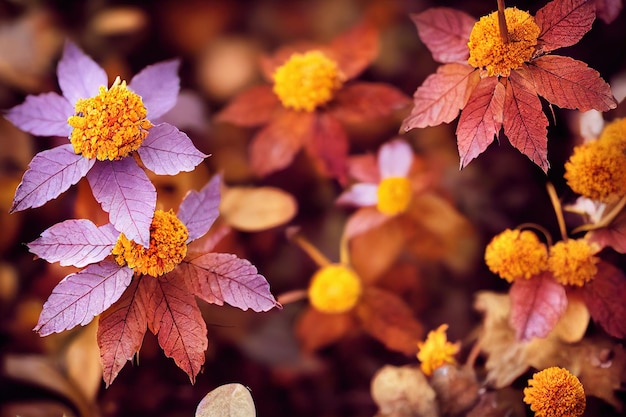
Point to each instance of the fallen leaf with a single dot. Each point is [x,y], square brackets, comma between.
[255,209]
[403,392]
[229,400]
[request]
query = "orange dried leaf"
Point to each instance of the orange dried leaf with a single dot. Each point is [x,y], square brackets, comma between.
[251,108]
[445,32]
[574,322]
[564,22]
[316,330]
[255,209]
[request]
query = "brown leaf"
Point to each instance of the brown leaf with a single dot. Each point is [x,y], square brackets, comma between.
[356,48]
[229,400]
[571,84]
[445,33]
[480,120]
[403,391]
[574,322]
[608,10]
[361,102]
[605,296]
[563,23]
[316,330]
[525,125]
[328,145]
[256,209]
[253,107]
[82,361]
[457,388]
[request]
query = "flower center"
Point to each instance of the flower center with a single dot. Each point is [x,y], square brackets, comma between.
[168,246]
[572,262]
[307,81]
[110,125]
[334,288]
[516,254]
[394,195]
[489,52]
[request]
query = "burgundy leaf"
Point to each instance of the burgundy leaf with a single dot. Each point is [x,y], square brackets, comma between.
[571,84]
[158,85]
[480,120]
[79,76]
[79,297]
[199,209]
[49,174]
[360,102]
[253,107]
[537,304]
[608,10]
[445,33]
[563,23]
[328,143]
[441,96]
[525,125]
[42,115]
[605,297]
[75,242]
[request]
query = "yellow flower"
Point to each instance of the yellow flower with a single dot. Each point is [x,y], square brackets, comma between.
[109,125]
[516,254]
[168,246]
[307,81]
[394,195]
[436,351]
[573,262]
[489,52]
[334,288]
[555,392]
[614,133]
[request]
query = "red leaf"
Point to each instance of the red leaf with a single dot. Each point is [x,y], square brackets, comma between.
[614,235]
[361,102]
[175,318]
[121,329]
[253,107]
[364,168]
[441,96]
[355,49]
[445,33]
[537,304]
[328,144]
[316,330]
[563,23]
[608,10]
[481,119]
[571,84]
[525,125]
[605,297]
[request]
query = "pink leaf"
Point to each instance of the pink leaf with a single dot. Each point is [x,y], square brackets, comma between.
[356,48]
[563,23]
[604,297]
[75,242]
[525,125]
[360,102]
[79,297]
[125,192]
[328,144]
[49,174]
[614,235]
[362,220]
[158,85]
[537,304]
[445,32]
[43,115]
[480,120]
[79,76]
[199,209]
[441,96]
[253,107]
[608,10]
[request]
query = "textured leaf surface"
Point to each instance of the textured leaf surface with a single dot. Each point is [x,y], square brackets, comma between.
[79,76]
[328,144]
[257,208]
[199,209]
[43,115]
[168,151]
[445,32]
[564,22]
[230,400]
[75,242]
[251,108]
[360,102]
[605,296]
[158,85]
[79,297]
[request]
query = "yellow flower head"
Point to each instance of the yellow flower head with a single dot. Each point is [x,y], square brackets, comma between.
[168,246]
[109,125]
[394,195]
[516,254]
[436,351]
[573,262]
[555,392]
[614,133]
[334,288]
[307,81]
[489,52]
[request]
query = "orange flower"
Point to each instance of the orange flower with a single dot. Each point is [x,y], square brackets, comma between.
[436,351]
[555,392]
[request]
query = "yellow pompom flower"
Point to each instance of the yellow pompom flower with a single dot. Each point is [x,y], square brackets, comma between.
[335,288]
[516,254]
[555,392]
[436,351]
[614,133]
[572,262]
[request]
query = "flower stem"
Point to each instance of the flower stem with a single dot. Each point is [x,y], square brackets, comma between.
[539,228]
[291,296]
[504,31]
[317,256]
[558,210]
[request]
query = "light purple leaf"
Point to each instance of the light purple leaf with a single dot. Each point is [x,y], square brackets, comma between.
[395,159]
[124,191]
[168,151]
[199,209]
[158,85]
[76,242]
[49,174]
[360,195]
[79,75]
[79,297]
[43,115]
[222,277]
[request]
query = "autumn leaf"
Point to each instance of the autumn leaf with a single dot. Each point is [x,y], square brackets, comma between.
[608,10]
[361,102]
[445,32]
[605,296]
[316,330]
[564,22]
[255,209]
[328,141]
[229,400]
[614,235]
[253,107]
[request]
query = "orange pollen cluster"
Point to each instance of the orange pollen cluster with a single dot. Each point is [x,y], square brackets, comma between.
[516,254]
[394,195]
[555,392]
[572,262]
[436,351]
[334,288]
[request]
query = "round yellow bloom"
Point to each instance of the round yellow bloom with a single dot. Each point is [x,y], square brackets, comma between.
[516,254]
[489,52]
[572,262]
[307,81]
[436,351]
[555,392]
[614,133]
[168,246]
[334,288]
[109,125]
[394,195]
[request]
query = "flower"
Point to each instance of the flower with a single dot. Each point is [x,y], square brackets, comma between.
[334,288]
[515,254]
[436,351]
[108,128]
[310,97]
[555,392]
[572,262]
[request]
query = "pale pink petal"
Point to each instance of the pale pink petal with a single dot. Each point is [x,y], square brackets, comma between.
[168,151]
[49,174]
[42,115]
[124,191]
[364,219]
[158,85]
[395,159]
[79,75]
[360,195]
[199,209]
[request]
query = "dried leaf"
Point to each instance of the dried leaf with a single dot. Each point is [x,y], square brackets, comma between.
[457,388]
[564,22]
[229,400]
[403,391]
[253,107]
[316,330]
[574,322]
[361,102]
[605,296]
[82,361]
[445,32]
[255,209]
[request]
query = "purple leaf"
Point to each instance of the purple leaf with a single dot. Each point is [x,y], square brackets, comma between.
[79,75]
[75,242]
[360,195]
[158,85]
[199,209]
[168,151]
[43,115]
[79,297]
[125,192]
[222,277]
[49,174]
